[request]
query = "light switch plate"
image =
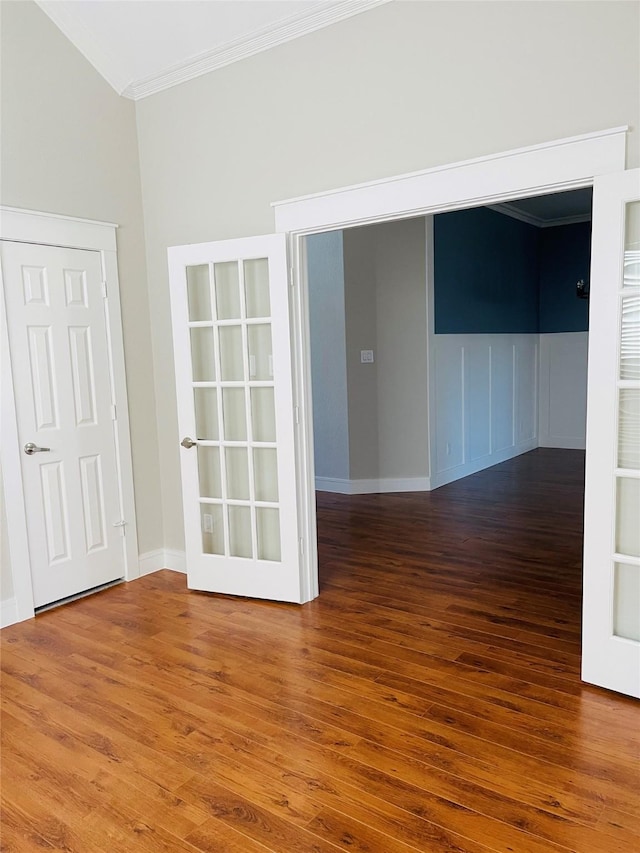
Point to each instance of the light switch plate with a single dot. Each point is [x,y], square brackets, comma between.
[366,356]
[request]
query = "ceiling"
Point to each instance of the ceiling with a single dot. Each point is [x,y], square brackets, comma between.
[551,209]
[143,46]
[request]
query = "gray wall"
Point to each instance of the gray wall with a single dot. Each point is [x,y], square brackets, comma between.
[325,269]
[401,301]
[386,308]
[403,87]
[408,86]
[361,325]
[371,284]
[69,146]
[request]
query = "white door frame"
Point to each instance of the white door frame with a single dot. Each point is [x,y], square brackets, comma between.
[556,166]
[28,226]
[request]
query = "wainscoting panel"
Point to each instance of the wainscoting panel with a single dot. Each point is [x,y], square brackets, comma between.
[502,387]
[486,402]
[563,389]
[477,397]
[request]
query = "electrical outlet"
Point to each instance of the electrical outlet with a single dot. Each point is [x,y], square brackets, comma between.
[366,356]
[207,523]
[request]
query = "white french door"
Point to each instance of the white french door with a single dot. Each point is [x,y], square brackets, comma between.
[611,613]
[62,386]
[231,335]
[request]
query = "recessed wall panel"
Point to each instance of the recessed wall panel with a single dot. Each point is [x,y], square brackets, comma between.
[93,503]
[526,391]
[42,373]
[501,395]
[477,400]
[449,403]
[84,392]
[55,511]
[35,285]
[75,288]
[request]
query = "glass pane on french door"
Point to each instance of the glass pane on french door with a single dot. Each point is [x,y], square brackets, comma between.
[233,389]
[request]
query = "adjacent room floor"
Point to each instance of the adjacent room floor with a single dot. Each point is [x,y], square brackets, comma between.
[429,699]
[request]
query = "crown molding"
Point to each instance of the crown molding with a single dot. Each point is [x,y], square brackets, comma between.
[105,63]
[248,45]
[524,216]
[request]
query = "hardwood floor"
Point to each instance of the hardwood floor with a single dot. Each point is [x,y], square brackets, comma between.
[429,699]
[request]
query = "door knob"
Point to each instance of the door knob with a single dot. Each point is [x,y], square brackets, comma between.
[30,448]
[188,442]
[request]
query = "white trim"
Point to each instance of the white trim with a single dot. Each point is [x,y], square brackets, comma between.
[607,660]
[549,167]
[151,561]
[51,229]
[523,216]
[162,558]
[246,45]
[175,560]
[8,612]
[384,485]
[56,230]
[538,169]
[304,447]
[18,539]
[21,211]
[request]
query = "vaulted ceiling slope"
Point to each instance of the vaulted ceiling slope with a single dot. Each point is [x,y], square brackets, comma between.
[143,46]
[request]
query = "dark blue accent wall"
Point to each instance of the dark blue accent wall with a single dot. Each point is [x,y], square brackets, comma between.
[496,275]
[485,273]
[565,257]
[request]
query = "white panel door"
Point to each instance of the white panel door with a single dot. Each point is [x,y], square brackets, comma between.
[611,618]
[230,311]
[60,364]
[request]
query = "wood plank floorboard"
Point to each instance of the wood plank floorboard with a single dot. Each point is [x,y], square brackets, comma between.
[429,700]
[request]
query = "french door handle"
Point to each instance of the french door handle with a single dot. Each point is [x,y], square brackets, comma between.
[188,442]
[30,448]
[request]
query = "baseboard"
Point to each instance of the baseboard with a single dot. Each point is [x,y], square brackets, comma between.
[151,561]
[8,612]
[175,560]
[374,486]
[452,474]
[162,558]
[562,442]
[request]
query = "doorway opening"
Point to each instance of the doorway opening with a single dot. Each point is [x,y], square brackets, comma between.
[442,346]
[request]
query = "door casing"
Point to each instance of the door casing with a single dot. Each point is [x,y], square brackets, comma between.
[27,226]
[556,166]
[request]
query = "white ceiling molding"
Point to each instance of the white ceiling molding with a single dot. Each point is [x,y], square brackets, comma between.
[515,212]
[118,70]
[105,62]
[248,45]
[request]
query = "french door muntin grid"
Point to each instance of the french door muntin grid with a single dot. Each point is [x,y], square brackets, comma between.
[263,545]
[624,615]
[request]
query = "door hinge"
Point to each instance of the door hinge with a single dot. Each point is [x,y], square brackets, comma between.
[104,289]
[114,413]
